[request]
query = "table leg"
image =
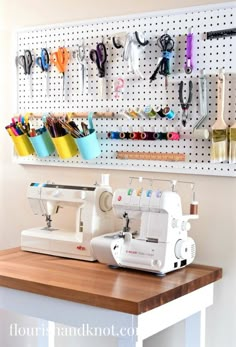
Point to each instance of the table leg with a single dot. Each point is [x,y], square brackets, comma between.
[129,341]
[195,330]
[46,333]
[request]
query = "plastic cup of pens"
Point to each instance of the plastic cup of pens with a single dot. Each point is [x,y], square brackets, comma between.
[87,142]
[62,140]
[23,146]
[65,146]
[88,145]
[42,143]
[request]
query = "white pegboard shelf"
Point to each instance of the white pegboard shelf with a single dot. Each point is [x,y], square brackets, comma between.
[208,54]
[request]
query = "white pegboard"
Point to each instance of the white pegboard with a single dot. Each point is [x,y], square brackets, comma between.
[208,54]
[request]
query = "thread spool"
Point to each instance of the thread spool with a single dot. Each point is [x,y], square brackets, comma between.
[168,113]
[150,112]
[159,111]
[133,113]
[113,135]
[124,135]
[134,135]
[161,136]
[147,135]
[173,136]
[194,206]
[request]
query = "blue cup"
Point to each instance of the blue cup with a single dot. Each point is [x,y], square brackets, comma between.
[42,144]
[88,145]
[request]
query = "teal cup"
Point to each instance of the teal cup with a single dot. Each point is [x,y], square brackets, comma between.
[88,145]
[42,144]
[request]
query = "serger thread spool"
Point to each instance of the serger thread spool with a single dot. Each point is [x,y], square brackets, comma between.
[194,206]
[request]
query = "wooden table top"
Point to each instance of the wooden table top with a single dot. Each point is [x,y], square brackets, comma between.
[96,284]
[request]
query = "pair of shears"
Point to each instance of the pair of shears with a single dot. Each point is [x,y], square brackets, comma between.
[26,61]
[44,63]
[80,57]
[60,60]
[99,57]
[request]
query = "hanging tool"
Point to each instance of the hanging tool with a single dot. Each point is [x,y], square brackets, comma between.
[166,43]
[118,87]
[185,105]
[44,63]
[131,43]
[189,64]
[60,59]
[80,56]
[221,33]
[219,148]
[99,57]
[198,132]
[26,61]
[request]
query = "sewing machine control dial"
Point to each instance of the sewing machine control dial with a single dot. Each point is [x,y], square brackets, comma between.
[185,249]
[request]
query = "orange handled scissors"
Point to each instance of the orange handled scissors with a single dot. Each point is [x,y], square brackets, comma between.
[60,59]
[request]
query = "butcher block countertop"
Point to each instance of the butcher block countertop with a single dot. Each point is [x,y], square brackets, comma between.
[95,284]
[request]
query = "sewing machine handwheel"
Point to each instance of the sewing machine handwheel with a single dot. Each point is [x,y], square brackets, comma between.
[105,201]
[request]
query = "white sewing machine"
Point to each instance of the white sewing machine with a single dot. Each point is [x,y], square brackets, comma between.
[161,245]
[93,217]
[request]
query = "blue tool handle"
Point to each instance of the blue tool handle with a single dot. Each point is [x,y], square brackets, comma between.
[45,59]
[38,62]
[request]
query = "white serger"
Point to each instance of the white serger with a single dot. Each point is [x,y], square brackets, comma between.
[93,217]
[162,243]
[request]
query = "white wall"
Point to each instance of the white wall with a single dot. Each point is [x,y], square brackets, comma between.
[214,232]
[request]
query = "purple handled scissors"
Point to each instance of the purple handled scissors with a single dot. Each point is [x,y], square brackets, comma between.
[99,57]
